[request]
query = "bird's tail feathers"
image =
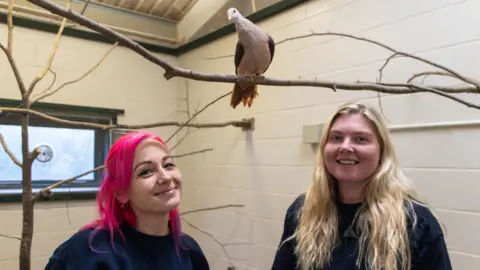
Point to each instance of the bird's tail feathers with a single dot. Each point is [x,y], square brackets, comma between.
[245,95]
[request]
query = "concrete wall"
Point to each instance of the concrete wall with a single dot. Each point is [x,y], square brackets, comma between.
[267,168]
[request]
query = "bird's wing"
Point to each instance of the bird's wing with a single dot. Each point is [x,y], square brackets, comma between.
[271,47]
[239,52]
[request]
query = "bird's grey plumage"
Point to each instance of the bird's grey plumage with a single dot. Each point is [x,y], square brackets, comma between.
[253,54]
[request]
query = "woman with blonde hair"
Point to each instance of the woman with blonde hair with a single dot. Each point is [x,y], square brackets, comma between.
[361,211]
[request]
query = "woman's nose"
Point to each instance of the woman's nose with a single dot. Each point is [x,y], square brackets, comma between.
[163,176]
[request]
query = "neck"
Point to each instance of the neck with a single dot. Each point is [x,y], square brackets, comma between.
[153,225]
[350,193]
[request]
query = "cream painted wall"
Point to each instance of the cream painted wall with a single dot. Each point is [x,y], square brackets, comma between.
[124,81]
[267,168]
[196,17]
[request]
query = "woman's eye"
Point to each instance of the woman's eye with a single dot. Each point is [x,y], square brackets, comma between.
[169,165]
[145,172]
[335,138]
[362,139]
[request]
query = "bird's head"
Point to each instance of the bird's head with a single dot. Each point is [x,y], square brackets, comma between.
[233,14]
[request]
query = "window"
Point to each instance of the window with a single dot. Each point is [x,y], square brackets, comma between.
[67,150]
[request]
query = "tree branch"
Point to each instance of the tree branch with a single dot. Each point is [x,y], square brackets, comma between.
[11,237]
[15,70]
[42,74]
[10,27]
[46,190]
[172,71]
[47,92]
[427,73]
[9,153]
[197,113]
[245,123]
[193,153]
[210,209]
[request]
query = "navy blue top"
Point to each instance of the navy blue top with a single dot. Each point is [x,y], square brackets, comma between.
[428,248]
[139,251]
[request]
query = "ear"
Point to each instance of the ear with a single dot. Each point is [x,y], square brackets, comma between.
[122,198]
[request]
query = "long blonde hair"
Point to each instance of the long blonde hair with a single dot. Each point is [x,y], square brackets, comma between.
[381,222]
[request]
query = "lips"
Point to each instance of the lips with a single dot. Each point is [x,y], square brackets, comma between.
[347,161]
[163,192]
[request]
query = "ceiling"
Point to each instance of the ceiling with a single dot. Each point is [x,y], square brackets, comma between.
[173,10]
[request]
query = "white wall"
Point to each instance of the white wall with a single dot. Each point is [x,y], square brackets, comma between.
[267,168]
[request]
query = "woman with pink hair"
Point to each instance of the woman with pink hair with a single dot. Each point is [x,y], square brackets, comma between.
[139,223]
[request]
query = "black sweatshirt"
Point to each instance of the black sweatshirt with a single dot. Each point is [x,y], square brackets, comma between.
[428,248]
[139,251]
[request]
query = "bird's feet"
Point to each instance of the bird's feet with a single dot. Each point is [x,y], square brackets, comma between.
[252,77]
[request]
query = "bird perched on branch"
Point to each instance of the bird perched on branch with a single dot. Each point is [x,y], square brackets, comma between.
[253,54]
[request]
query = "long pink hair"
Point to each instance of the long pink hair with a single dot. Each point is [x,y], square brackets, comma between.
[117,178]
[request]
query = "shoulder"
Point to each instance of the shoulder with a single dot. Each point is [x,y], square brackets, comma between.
[78,249]
[296,205]
[293,212]
[425,227]
[199,261]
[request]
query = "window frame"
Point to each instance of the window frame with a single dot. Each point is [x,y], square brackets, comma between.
[85,189]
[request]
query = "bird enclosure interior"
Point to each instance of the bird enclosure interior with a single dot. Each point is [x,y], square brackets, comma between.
[240,91]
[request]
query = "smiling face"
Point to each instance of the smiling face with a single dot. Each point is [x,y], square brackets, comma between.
[352,150]
[156,181]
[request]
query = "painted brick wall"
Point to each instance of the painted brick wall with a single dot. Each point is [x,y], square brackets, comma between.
[265,169]
[124,81]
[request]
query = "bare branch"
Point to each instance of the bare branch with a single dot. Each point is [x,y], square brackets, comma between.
[182,138]
[15,70]
[211,236]
[10,27]
[211,208]
[193,153]
[197,113]
[172,71]
[9,153]
[11,237]
[47,92]
[245,123]
[42,74]
[46,190]
[427,73]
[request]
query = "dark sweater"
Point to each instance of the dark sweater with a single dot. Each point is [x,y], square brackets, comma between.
[429,251]
[139,251]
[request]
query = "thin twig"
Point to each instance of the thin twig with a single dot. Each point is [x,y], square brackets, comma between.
[193,153]
[182,138]
[11,237]
[15,70]
[197,113]
[47,93]
[9,153]
[211,208]
[42,74]
[427,73]
[66,181]
[10,27]
[211,236]
[245,123]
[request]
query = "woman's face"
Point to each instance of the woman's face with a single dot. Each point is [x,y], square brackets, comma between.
[352,150]
[156,181]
